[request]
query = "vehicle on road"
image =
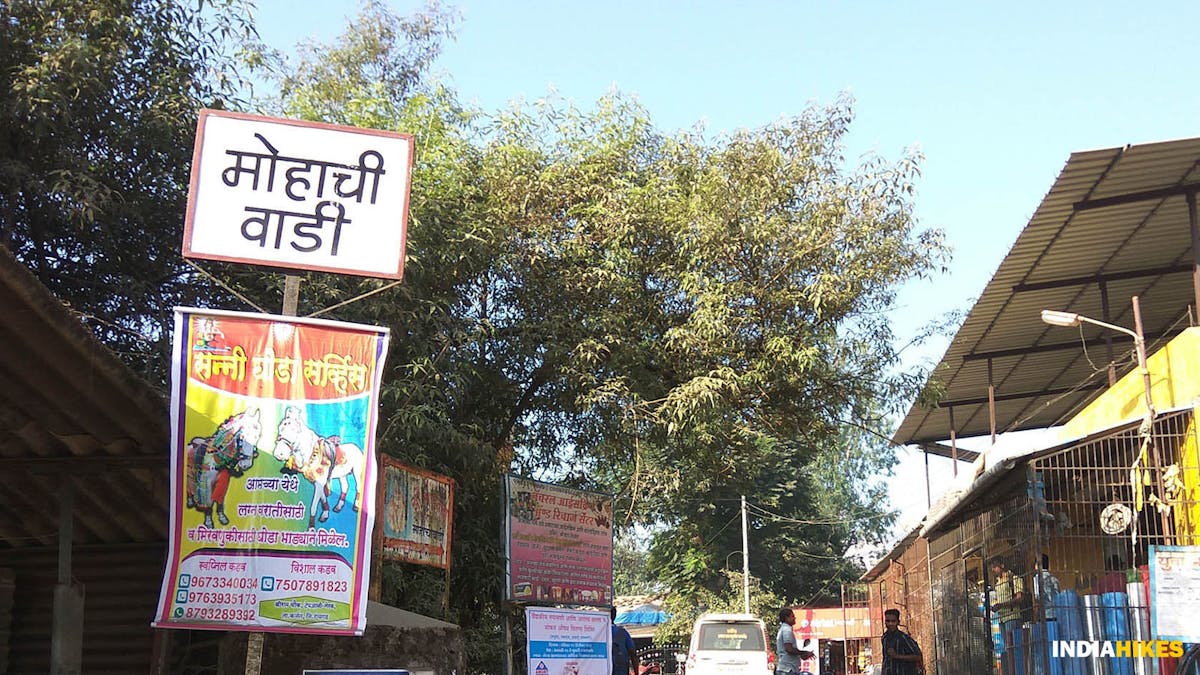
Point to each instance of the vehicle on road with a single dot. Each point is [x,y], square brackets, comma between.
[728,644]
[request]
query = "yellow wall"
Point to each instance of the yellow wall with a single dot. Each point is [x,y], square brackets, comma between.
[1187,508]
[1174,383]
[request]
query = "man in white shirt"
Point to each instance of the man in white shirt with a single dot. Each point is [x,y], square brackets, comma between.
[789,654]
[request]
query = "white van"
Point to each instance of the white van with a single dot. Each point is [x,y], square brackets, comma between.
[728,644]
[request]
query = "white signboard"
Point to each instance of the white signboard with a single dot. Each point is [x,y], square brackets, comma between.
[1175,592]
[568,642]
[301,195]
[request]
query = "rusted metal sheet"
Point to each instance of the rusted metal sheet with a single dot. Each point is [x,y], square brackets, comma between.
[120,585]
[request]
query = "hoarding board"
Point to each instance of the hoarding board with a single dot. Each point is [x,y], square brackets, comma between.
[418,509]
[1175,592]
[559,543]
[570,642]
[299,195]
[272,473]
[833,623]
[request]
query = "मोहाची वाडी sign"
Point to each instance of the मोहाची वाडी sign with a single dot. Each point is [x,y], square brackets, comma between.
[272,473]
[299,195]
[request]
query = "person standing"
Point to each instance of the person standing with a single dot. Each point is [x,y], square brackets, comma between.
[624,658]
[901,653]
[785,645]
[1009,594]
[1047,590]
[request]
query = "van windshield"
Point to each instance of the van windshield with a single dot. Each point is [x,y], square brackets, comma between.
[739,636]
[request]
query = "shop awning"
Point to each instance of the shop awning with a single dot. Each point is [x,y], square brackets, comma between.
[1115,224]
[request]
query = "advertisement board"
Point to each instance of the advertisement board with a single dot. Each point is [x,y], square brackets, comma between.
[418,509]
[833,623]
[272,473]
[559,543]
[568,642]
[299,195]
[1175,592]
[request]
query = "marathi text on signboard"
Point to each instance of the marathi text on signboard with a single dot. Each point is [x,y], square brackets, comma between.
[559,543]
[1175,592]
[272,473]
[298,194]
[559,641]
[417,515]
[833,623]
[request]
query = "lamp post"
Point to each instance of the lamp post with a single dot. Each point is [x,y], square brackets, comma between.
[1056,318]
[1068,319]
[745,560]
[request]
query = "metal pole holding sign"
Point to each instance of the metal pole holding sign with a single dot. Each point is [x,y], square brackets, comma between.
[257,639]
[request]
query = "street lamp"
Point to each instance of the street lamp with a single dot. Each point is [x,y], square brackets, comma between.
[1056,318]
[1068,319]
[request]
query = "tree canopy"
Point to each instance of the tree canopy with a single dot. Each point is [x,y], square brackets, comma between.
[96,126]
[676,317]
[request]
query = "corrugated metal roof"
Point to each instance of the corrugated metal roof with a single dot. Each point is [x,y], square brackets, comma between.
[72,414]
[1114,223]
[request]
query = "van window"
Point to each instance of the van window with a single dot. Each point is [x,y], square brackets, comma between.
[742,636]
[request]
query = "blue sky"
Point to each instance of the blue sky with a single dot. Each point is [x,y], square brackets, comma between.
[996,96]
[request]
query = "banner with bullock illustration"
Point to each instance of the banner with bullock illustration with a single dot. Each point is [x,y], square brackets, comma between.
[559,543]
[417,514]
[272,473]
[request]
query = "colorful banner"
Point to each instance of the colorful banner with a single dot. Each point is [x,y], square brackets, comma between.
[568,642]
[272,473]
[418,509]
[559,543]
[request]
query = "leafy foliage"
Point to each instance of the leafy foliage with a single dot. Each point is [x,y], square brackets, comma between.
[97,117]
[675,318]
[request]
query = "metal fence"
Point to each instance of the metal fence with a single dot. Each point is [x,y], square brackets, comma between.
[1071,531]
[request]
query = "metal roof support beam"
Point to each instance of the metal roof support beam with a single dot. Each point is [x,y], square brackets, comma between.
[83,464]
[991,402]
[953,441]
[1135,197]
[1194,226]
[1017,396]
[1058,346]
[931,448]
[1108,335]
[1102,278]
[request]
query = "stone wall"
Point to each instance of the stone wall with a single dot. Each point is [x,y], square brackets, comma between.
[428,651]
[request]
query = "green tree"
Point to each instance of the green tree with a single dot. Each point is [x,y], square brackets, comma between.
[631,567]
[97,117]
[675,318]
[703,318]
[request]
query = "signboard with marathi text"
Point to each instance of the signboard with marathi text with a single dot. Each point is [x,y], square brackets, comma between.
[1175,592]
[418,509]
[568,642]
[272,485]
[559,543]
[299,195]
[833,623]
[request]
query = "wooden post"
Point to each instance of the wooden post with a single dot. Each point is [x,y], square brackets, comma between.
[375,589]
[256,641]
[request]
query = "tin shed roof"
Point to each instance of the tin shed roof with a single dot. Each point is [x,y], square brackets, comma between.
[1114,225]
[72,414]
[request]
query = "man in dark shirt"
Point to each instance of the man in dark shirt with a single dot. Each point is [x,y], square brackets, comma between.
[901,655]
